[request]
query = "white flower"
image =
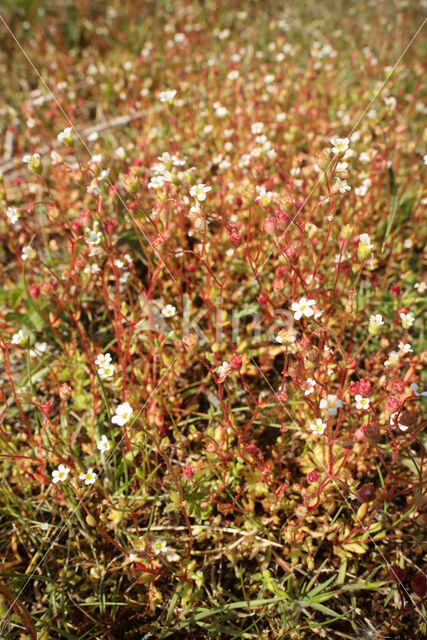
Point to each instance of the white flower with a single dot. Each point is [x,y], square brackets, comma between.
[19,338]
[159,546]
[342,185]
[365,247]
[132,557]
[319,427]
[106,371]
[375,322]
[420,286]
[104,175]
[168,311]
[156,182]
[361,402]
[309,386]
[303,308]
[102,359]
[123,414]
[407,320]
[89,477]
[103,445]
[28,252]
[199,191]
[94,189]
[38,349]
[120,153]
[66,136]
[223,370]
[167,96]
[393,359]
[257,127]
[34,162]
[340,145]
[12,214]
[390,102]
[331,404]
[415,387]
[60,474]
[405,347]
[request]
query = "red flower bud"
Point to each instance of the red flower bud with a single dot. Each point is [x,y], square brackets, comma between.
[262,299]
[313,476]
[238,201]
[34,291]
[47,407]
[395,290]
[251,448]
[353,388]
[359,434]
[236,362]
[397,386]
[85,217]
[191,267]
[392,404]
[291,253]
[110,226]
[236,238]
[364,388]
[270,225]
[188,471]
[76,227]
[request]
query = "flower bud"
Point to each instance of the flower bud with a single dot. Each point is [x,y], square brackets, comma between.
[359,434]
[65,391]
[34,291]
[236,362]
[392,404]
[419,585]
[313,476]
[364,388]
[131,183]
[291,253]
[110,226]
[270,225]
[190,341]
[236,238]
[188,471]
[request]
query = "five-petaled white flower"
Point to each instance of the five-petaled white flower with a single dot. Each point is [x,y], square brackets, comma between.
[318,427]
[159,546]
[102,359]
[420,286]
[361,402]
[60,474]
[340,145]
[405,347]
[168,311]
[331,404]
[66,136]
[89,477]
[303,308]
[375,323]
[199,191]
[415,387]
[12,214]
[167,96]
[393,359]
[309,386]
[106,371]
[342,185]
[103,444]
[19,338]
[407,320]
[123,414]
[28,252]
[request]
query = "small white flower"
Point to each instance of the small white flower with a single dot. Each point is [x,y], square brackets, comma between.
[393,359]
[420,286]
[318,427]
[365,247]
[123,414]
[19,338]
[167,96]
[156,182]
[66,136]
[28,252]
[303,308]
[361,402]
[331,404]
[340,145]
[106,371]
[34,162]
[12,214]
[89,477]
[405,347]
[342,185]
[393,417]
[159,546]
[131,557]
[60,474]
[104,445]
[257,127]
[168,311]
[375,323]
[223,370]
[102,359]
[309,386]
[415,387]
[38,349]
[407,320]
[199,191]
